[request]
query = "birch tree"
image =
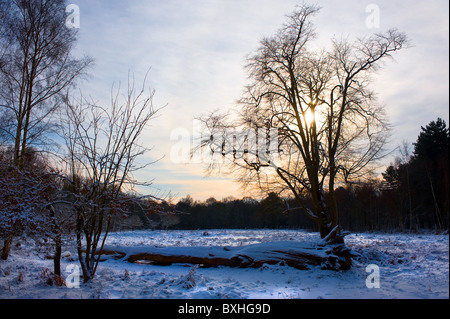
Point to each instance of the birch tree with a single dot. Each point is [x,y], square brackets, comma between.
[36,70]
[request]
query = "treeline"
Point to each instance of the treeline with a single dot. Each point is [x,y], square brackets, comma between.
[232,213]
[412,194]
[418,183]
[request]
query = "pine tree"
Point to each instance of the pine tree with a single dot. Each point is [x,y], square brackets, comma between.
[430,160]
[433,141]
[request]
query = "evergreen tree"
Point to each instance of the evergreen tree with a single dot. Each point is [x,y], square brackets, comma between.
[421,184]
[433,141]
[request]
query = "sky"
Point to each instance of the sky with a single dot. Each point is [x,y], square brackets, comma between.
[194,52]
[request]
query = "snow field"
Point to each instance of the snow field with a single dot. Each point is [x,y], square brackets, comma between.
[410,266]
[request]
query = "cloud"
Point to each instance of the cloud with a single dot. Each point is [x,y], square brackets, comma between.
[196,50]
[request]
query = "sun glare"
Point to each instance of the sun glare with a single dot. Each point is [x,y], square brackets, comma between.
[309,117]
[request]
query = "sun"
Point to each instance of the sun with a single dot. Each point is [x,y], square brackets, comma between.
[309,117]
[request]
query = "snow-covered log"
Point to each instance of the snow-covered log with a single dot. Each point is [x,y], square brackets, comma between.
[300,255]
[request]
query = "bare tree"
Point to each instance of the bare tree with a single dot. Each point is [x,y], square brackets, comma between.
[36,69]
[103,150]
[328,123]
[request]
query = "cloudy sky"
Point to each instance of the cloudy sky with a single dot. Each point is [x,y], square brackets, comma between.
[195,51]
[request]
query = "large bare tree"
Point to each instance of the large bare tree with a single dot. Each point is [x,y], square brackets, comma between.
[329,125]
[36,69]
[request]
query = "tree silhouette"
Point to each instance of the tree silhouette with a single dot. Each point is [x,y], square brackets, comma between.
[433,141]
[329,124]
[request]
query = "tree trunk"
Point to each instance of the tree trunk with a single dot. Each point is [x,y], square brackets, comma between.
[57,258]
[6,247]
[324,229]
[299,255]
[84,267]
[58,242]
[436,206]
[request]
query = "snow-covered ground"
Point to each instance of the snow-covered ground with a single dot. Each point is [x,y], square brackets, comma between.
[409,266]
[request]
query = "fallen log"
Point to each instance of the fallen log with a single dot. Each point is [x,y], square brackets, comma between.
[300,255]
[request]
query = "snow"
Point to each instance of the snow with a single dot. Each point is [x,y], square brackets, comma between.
[410,266]
[257,252]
